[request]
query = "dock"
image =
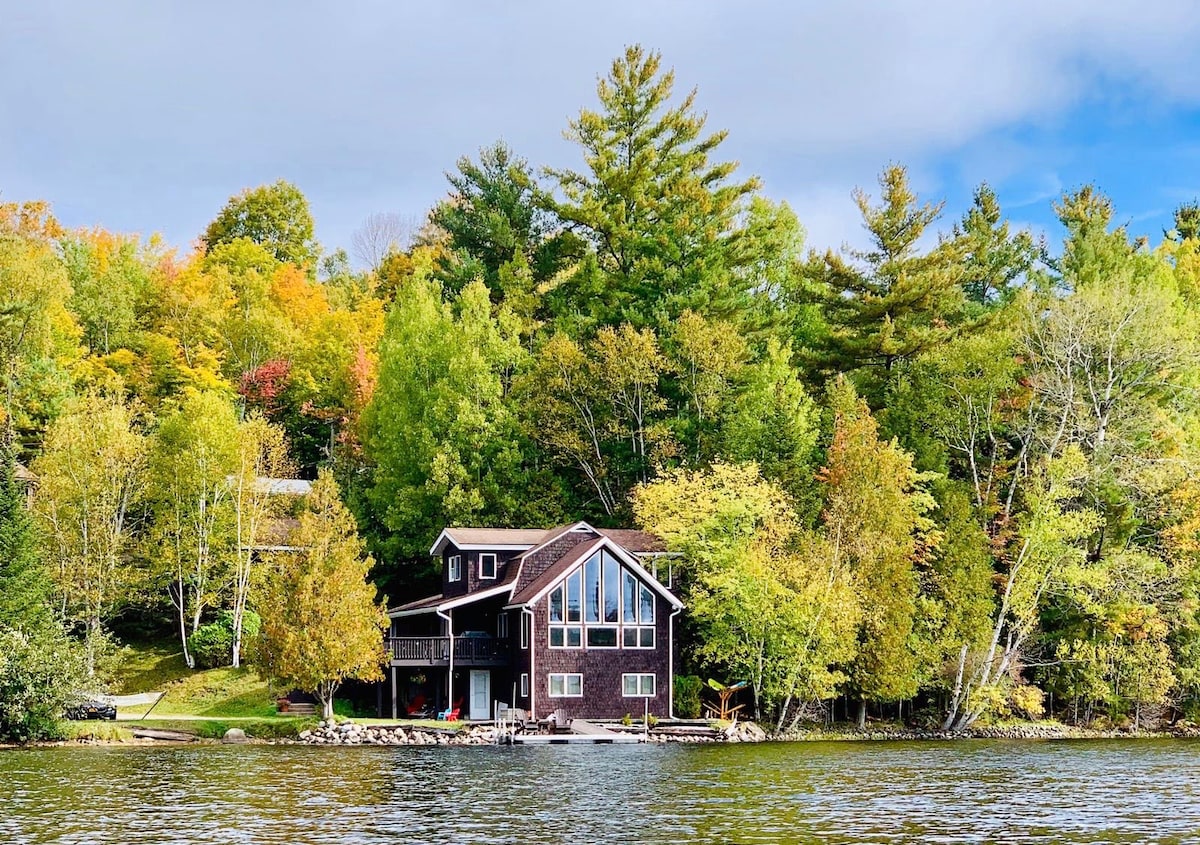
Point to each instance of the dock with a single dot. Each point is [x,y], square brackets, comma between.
[582,732]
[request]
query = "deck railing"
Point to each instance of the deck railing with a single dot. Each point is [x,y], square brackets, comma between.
[436,650]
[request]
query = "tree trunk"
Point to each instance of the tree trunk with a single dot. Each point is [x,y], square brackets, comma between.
[862,714]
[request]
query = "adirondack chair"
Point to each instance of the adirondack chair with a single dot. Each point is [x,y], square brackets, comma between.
[452,714]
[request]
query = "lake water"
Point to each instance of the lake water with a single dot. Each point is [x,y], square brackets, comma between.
[1011,792]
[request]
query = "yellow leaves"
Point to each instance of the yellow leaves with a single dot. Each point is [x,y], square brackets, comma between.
[303,301]
[321,622]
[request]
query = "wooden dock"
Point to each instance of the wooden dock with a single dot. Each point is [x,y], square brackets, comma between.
[582,733]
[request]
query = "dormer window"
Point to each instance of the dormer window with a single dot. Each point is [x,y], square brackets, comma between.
[487,565]
[455,566]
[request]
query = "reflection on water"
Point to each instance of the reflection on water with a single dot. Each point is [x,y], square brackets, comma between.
[1018,792]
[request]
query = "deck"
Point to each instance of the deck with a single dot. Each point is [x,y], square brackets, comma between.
[582,733]
[435,651]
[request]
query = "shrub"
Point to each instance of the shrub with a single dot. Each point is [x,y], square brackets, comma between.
[687,696]
[39,676]
[212,644]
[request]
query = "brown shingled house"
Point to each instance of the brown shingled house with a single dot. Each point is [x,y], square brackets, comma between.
[572,620]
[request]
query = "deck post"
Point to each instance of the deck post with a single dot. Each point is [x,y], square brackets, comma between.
[450,674]
[395,711]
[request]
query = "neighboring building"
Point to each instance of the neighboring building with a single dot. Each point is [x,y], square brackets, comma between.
[572,620]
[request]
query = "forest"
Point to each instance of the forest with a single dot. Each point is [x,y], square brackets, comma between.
[947,477]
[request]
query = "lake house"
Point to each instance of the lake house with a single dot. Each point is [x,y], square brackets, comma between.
[572,621]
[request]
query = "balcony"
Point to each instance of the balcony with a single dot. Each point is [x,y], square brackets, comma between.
[435,651]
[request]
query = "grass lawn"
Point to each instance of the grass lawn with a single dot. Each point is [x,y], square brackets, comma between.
[211,693]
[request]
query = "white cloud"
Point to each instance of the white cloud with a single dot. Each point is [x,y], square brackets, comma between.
[136,115]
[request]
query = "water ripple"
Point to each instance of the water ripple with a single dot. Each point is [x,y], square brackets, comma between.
[963,792]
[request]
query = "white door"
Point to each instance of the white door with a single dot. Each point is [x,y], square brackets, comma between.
[481,694]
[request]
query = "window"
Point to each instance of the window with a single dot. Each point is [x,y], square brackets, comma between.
[566,613]
[455,567]
[637,686]
[524,685]
[487,565]
[502,626]
[601,605]
[566,685]
[524,631]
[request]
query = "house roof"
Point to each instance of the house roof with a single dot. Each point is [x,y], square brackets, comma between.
[517,539]
[21,473]
[283,486]
[546,556]
[419,606]
[632,540]
[554,571]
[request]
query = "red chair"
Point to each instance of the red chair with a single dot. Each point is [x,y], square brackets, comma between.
[452,714]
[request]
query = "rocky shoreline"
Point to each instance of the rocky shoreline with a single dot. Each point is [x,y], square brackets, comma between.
[352,733]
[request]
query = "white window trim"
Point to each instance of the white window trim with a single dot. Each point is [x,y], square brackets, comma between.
[564,675]
[455,566]
[584,625]
[564,625]
[495,566]
[639,675]
[525,623]
[502,625]
[524,685]
[639,628]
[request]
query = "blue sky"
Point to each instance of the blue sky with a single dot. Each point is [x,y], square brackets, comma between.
[144,117]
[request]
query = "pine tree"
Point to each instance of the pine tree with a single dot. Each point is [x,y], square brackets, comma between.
[891,302]
[659,213]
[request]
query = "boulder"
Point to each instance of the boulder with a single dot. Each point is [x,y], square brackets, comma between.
[235,736]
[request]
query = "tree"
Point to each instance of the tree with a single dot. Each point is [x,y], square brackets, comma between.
[194,454]
[496,214]
[260,454]
[1044,554]
[659,214]
[600,408]
[769,604]
[274,216]
[34,321]
[875,515]
[321,624]
[445,444]
[90,477]
[773,422]
[890,302]
[381,233]
[995,261]
[25,587]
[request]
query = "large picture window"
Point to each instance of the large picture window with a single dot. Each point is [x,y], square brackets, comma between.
[566,685]
[601,605]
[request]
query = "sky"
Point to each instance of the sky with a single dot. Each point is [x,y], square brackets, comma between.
[146,117]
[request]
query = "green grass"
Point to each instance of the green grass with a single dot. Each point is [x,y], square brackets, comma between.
[218,693]
[148,667]
[215,693]
[273,728]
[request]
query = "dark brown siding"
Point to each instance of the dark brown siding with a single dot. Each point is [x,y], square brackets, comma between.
[471,581]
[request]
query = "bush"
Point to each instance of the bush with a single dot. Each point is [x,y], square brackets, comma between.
[39,676]
[212,644]
[687,696]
